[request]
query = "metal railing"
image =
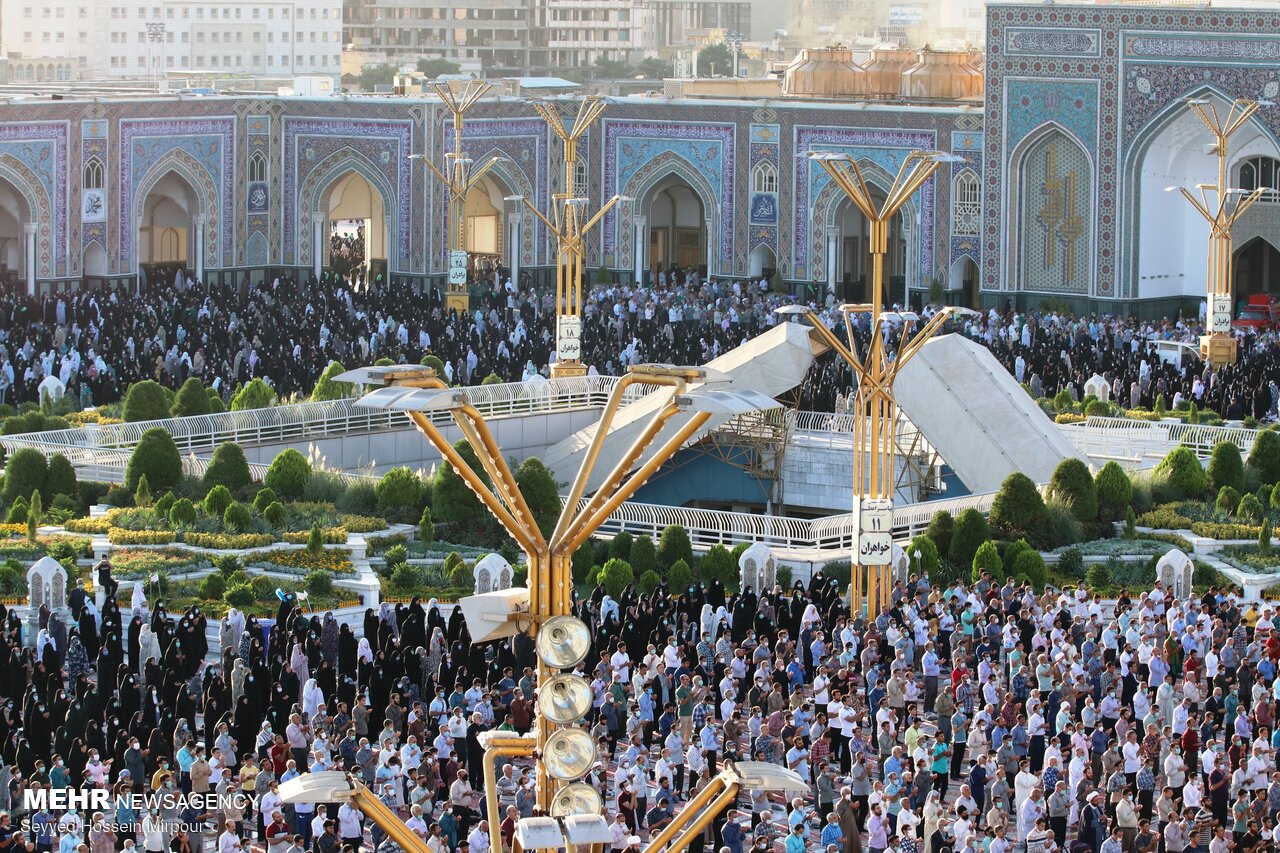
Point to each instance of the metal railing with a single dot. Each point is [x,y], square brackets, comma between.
[302,421]
[1134,440]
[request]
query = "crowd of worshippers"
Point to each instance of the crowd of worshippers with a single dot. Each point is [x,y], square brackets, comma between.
[288,331]
[346,255]
[981,718]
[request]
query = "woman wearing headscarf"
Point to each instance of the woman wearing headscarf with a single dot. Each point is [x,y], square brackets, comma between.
[932,817]
[312,698]
[329,633]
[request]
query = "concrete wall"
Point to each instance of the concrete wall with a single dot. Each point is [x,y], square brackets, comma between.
[518,437]
[818,476]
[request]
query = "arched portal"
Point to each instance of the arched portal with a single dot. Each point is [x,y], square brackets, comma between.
[1257,269]
[763,262]
[14,245]
[357,227]
[167,235]
[853,267]
[677,226]
[94,263]
[963,277]
[484,222]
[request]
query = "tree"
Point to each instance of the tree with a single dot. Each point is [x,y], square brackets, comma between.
[142,495]
[275,515]
[1264,537]
[620,545]
[236,518]
[649,581]
[715,59]
[653,68]
[674,545]
[426,528]
[288,474]
[191,399]
[1029,566]
[987,559]
[539,489]
[451,500]
[372,76]
[611,69]
[717,564]
[970,532]
[145,401]
[329,389]
[924,556]
[400,489]
[1183,472]
[1226,468]
[615,576]
[264,498]
[35,510]
[1264,458]
[228,467]
[182,512]
[436,66]
[1018,508]
[26,473]
[680,576]
[643,557]
[1228,500]
[156,456]
[1114,491]
[60,479]
[256,395]
[940,529]
[217,501]
[1073,485]
[315,539]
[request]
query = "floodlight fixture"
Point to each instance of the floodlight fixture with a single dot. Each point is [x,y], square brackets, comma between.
[576,799]
[564,699]
[569,754]
[563,642]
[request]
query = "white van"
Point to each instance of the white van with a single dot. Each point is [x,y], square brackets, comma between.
[1176,353]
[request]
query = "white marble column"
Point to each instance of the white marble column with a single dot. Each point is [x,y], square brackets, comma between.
[29,256]
[640,225]
[514,217]
[197,230]
[833,248]
[712,252]
[137,253]
[317,244]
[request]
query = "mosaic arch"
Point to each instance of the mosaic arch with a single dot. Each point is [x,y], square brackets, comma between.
[1131,171]
[830,200]
[518,183]
[326,174]
[185,166]
[666,165]
[27,185]
[1053,213]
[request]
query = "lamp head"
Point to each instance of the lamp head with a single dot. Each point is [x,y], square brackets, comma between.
[792,310]
[830,156]
[407,399]
[387,374]
[729,401]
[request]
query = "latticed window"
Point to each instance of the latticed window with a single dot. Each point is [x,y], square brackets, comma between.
[580,179]
[967,204]
[764,178]
[93,175]
[1260,171]
[257,167]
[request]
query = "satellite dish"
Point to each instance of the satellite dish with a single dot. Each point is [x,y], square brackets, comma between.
[569,754]
[564,699]
[563,642]
[576,799]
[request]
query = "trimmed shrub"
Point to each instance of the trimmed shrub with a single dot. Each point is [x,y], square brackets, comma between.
[924,556]
[620,545]
[191,399]
[157,457]
[217,501]
[970,532]
[288,474]
[1098,577]
[452,502]
[60,478]
[228,467]
[987,559]
[236,518]
[1029,566]
[717,564]
[539,489]
[1183,473]
[1011,552]
[1226,468]
[427,528]
[35,514]
[1264,537]
[407,577]
[1071,564]
[360,498]
[239,595]
[182,512]
[1018,507]
[643,557]
[145,401]
[583,562]
[615,576]
[1264,458]
[318,582]
[680,576]
[26,473]
[940,530]
[1114,491]
[399,488]
[264,498]
[255,395]
[1098,409]
[315,540]
[1228,500]
[142,494]
[649,581]
[674,545]
[1264,494]
[264,588]
[163,505]
[213,587]
[1130,523]
[17,511]
[1073,485]
[13,579]
[275,514]
[328,389]
[434,362]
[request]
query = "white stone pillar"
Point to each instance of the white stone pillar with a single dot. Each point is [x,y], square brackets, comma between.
[712,254]
[317,244]
[29,256]
[641,227]
[137,254]
[515,226]
[197,227]
[833,247]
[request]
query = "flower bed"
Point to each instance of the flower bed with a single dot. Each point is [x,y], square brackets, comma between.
[328,535]
[301,561]
[1166,517]
[1145,545]
[99,525]
[1247,559]
[1219,530]
[362,523]
[120,536]
[228,541]
[132,564]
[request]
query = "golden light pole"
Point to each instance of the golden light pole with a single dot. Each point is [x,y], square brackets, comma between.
[1218,347]
[458,176]
[875,410]
[570,223]
[546,609]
